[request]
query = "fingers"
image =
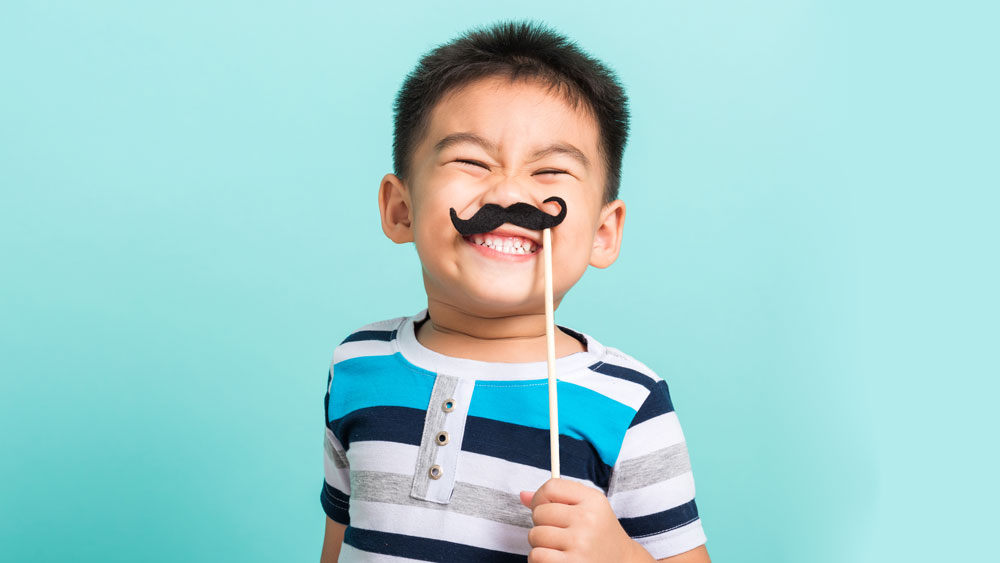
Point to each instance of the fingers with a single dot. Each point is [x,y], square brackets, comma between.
[546,555]
[526,498]
[550,537]
[553,514]
[561,491]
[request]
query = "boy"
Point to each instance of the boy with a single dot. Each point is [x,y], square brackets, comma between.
[437,425]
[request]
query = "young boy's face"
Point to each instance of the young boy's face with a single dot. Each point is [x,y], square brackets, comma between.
[502,142]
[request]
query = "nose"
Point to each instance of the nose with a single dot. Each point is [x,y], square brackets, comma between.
[508,189]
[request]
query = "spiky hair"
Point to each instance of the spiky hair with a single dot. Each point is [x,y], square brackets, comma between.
[519,50]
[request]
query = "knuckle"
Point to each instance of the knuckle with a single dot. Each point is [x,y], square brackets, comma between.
[541,513]
[533,537]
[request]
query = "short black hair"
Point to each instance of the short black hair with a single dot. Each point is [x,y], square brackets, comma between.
[518,49]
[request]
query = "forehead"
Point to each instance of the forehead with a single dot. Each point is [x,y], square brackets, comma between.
[520,116]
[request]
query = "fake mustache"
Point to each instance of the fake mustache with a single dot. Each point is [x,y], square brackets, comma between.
[491,216]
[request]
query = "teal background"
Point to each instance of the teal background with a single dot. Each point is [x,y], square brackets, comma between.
[188,226]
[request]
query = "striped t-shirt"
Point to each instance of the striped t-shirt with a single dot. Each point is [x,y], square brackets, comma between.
[425,454]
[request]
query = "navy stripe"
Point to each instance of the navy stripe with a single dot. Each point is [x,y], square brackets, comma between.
[624,373]
[381,335]
[424,549]
[661,521]
[581,338]
[390,424]
[530,446]
[335,504]
[326,398]
[658,402]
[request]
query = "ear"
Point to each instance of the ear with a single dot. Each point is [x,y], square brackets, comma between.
[608,238]
[394,206]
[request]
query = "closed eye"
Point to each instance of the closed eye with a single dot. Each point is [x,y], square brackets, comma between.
[552,172]
[473,163]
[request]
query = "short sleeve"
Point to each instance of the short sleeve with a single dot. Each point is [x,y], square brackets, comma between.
[652,487]
[335,496]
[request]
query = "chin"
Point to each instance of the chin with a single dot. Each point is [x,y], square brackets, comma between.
[509,304]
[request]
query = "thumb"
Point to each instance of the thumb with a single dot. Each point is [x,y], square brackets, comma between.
[526,497]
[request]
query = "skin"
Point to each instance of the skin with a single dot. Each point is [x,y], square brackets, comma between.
[489,306]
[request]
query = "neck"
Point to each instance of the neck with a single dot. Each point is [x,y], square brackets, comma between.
[509,338]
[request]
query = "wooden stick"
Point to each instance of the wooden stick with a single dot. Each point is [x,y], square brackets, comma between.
[550,341]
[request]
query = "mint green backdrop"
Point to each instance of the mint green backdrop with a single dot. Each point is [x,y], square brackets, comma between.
[188,226]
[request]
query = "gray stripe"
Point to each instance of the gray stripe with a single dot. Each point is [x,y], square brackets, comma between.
[339,459]
[444,389]
[650,469]
[470,500]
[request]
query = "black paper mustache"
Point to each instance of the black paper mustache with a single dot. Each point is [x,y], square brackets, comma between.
[491,216]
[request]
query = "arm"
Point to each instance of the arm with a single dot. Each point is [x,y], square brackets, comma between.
[335,496]
[696,555]
[332,540]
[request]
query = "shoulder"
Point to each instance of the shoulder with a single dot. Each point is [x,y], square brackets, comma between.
[622,367]
[618,364]
[372,339]
[646,390]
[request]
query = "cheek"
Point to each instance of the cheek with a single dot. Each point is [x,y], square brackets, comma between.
[441,196]
[572,248]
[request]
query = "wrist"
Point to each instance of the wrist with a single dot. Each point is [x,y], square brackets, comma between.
[638,554]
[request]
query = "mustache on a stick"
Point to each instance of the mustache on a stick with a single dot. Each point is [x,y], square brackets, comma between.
[491,216]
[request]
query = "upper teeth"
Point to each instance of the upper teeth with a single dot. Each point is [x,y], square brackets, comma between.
[507,245]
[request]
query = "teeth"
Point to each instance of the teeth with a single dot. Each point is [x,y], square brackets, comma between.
[507,245]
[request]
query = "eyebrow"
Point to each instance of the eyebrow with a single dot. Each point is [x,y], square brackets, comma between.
[490,147]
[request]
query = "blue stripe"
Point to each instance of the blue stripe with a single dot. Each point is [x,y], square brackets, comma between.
[371,381]
[530,446]
[624,373]
[335,504]
[584,414]
[658,402]
[424,549]
[381,335]
[385,424]
[661,521]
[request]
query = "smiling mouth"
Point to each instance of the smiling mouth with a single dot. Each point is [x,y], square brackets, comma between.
[505,244]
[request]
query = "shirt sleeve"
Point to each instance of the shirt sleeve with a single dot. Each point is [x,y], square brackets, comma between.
[652,487]
[335,496]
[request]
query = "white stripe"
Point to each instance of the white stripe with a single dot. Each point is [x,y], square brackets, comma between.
[361,348]
[440,525]
[654,498]
[675,541]
[658,432]
[349,554]
[620,390]
[386,457]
